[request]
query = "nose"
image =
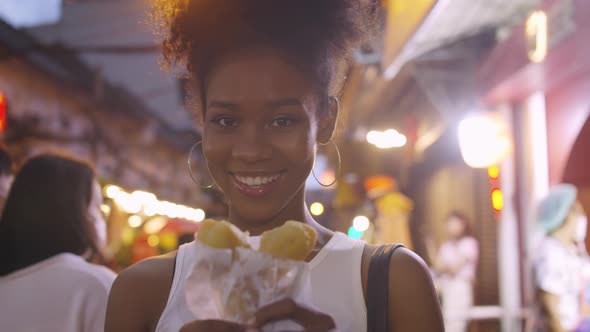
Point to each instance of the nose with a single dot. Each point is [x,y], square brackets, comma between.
[252,146]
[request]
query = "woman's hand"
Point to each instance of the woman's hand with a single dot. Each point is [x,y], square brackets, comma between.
[212,326]
[311,321]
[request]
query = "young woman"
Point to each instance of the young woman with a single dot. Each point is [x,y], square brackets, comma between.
[50,227]
[266,74]
[456,264]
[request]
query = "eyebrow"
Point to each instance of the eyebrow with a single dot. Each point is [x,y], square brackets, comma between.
[286,102]
[275,104]
[221,104]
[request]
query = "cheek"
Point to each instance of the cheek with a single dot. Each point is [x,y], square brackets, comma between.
[216,151]
[296,148]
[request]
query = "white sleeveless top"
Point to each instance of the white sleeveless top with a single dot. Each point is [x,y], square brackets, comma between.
[335,274]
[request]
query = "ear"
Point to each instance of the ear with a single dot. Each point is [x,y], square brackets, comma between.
[327,121]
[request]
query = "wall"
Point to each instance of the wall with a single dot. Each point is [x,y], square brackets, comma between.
[568,108]
[44,114]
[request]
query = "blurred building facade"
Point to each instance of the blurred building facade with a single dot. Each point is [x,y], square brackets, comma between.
[538,77]
[55,101]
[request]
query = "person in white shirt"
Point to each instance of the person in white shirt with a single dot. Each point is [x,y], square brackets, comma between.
[50,226]
[558,265]
[455,265]
[265,76]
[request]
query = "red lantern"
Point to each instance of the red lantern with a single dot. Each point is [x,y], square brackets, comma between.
[2,112]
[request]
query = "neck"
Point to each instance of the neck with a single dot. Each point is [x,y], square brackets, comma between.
[295,210]
[563,237]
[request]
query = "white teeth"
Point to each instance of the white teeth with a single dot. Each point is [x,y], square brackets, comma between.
[256,180]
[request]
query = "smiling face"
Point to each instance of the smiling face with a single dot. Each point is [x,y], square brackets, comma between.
[261,126]
[455,227]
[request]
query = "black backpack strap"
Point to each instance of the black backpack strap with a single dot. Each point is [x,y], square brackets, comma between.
[377,288]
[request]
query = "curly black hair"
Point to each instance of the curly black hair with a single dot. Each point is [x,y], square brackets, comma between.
[317,35]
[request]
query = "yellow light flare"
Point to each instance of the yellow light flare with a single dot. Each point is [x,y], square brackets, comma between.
[317,209]
[134,221]
[536,32]
[497,200]
[494,172]
[153,240]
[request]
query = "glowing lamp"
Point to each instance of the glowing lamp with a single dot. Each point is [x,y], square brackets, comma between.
[360,223]
[198,215]
[112,191]
[155,225]
[387,139]
[497,200]
[483,140]
[134,221]
[494,172]
[105,209]
[317,209]
[537,36]
[153,240]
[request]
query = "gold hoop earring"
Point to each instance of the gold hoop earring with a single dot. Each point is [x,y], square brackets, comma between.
[339,167]
[190,169]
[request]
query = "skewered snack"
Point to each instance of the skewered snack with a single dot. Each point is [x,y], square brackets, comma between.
[222,235]
[294,240]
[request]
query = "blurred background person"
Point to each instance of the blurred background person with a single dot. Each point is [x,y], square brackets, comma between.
[560,270]
[5,175]
[50,227]
[454,265]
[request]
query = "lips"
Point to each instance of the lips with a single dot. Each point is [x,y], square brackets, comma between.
[256,184]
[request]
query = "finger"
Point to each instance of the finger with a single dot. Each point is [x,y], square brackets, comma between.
[322,323]
[288,309]
[212,326]
[281,310]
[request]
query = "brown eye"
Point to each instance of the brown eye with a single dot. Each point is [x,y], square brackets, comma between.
[282,122]
[225,122]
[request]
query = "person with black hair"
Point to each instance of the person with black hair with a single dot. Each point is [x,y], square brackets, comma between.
[455,264]
[50,227]
[6,175]
[266,77]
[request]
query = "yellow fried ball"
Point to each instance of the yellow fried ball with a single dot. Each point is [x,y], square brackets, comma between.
[221,235]
[294,240]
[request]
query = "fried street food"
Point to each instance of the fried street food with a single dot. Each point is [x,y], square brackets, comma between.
[294,240]
[222,235]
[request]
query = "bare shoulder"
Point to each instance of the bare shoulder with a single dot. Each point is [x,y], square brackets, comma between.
[149,271]
[139,295]
[405,262]
[414,305]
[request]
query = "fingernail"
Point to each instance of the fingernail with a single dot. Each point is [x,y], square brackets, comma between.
[251,322]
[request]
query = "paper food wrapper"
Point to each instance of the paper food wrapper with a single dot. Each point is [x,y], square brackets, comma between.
[232,286]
